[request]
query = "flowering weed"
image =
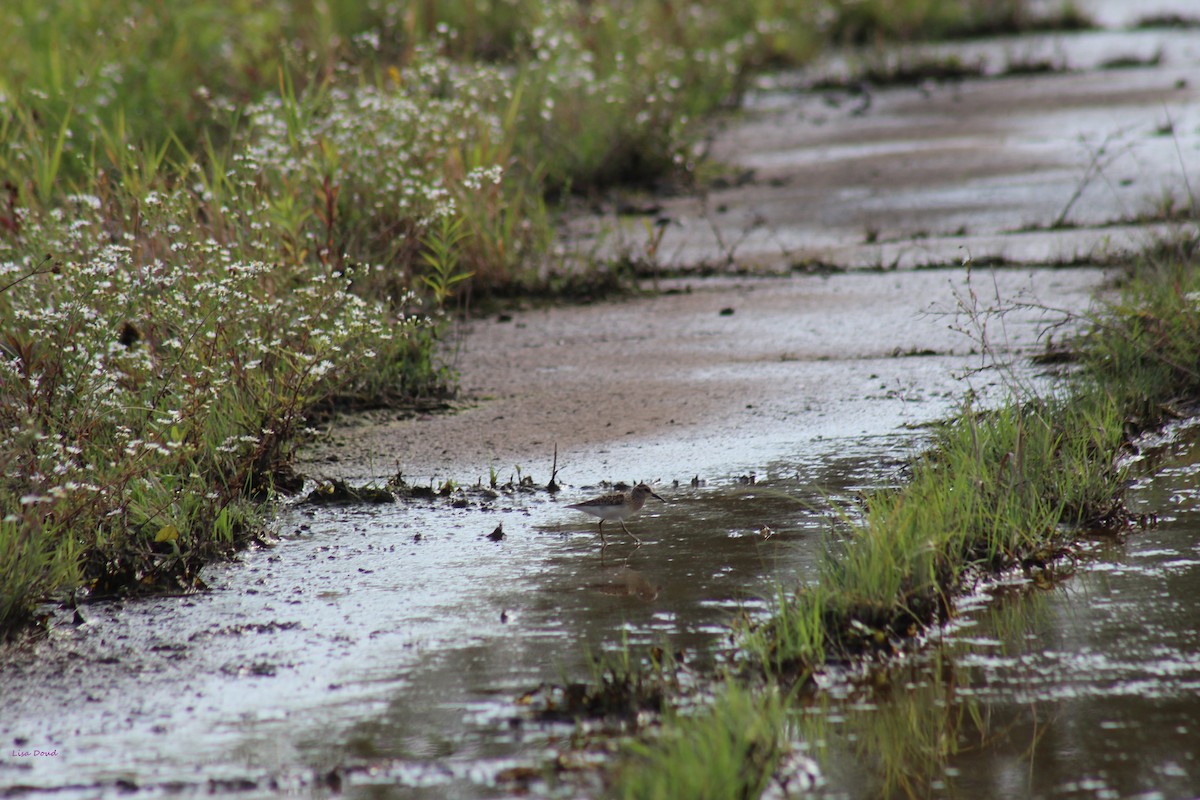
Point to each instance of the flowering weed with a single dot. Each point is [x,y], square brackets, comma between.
[216,217]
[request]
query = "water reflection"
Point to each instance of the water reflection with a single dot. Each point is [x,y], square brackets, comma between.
[626,582]
[1089,690]
[454,714]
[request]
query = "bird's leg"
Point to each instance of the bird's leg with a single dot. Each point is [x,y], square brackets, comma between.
[602,542]
[636,539]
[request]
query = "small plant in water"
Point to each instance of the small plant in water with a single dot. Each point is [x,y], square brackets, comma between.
[727,748]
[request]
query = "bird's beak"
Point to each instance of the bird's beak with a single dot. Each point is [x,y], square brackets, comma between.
[656,497]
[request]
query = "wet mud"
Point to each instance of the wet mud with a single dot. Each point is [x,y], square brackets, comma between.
[383,649]
[1061,165]
[651,387]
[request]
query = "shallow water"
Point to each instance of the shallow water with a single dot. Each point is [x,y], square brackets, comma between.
[1090,689]
[391,643]
[344,656]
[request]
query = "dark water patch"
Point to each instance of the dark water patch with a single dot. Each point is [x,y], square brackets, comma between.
[391,649]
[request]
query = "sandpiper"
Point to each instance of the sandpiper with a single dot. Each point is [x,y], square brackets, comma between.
[618,506]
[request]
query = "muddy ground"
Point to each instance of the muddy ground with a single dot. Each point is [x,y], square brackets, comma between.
[715,377]
[377,650]
[869,180]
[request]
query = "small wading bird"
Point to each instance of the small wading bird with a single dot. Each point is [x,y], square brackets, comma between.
[618,506]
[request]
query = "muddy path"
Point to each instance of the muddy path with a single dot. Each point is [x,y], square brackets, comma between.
[1059,155]
[716,376]
[379,650]
[384,647]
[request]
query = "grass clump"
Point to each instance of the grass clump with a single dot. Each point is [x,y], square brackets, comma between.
[1005,488]
[997,490]
[620,687]
[728,749]
[1142,349]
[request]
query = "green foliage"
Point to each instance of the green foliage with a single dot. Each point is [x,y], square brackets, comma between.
[795,638]
[155,366]
[441,257]
[1142,348]
[155,385]
[727,750]
[34,561]
[874,21]
[1002,487]
[215,214]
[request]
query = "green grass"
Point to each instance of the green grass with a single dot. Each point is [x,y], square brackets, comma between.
[997,488]
[216,218]
[1004,488]
[728,749]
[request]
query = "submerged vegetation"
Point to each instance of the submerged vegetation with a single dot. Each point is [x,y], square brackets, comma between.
[728,749]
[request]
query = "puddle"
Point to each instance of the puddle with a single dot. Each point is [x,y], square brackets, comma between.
[388,645]
[1090,690]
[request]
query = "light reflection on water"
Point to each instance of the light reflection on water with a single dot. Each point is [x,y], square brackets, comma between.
[1091,690]
[381,650]
[388,646]
[450,717]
